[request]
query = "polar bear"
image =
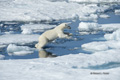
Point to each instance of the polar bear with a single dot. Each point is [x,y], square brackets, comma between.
[52,34]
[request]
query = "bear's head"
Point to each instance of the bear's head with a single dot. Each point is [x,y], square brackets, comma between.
[64,26]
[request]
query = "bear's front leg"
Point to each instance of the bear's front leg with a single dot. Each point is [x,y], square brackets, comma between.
[39,47]
[61,34]
[64,36]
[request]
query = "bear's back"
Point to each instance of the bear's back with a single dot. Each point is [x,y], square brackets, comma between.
[50,34]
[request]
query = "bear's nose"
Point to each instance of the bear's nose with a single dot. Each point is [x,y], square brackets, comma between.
[69,27]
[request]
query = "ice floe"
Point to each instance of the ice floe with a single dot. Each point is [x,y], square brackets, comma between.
[88,26]
[35,28]
[101,46]
[95,46]
[92,26]
[18,39]
[13,49]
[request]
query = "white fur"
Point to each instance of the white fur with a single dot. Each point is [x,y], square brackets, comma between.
[52,34]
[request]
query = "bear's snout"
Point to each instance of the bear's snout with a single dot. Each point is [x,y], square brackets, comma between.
[69,27]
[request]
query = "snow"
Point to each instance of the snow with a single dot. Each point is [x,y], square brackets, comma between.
[88,1]
[57,0]
[114,36]
[21,10]
[12,49]
[69,66]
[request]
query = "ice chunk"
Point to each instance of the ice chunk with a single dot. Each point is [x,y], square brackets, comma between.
[95,46]
[101,46]
[27,31]
[117,11]
[87,26]
[91,17]
[104,16]
[12,49]
[21,53]
[114,36]
[110,27]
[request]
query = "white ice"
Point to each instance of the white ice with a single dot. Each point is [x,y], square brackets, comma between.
[110,27]
[113,40]
[92,26]
[104,16]
[18,39]
[26,31]
[88,28]
[114,36]
[33,28]
[117,11]
[21,10]
[101,45]
[13,49]
[61,68]
[95,1]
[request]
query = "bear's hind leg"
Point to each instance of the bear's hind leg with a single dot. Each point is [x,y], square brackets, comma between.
[42,42]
